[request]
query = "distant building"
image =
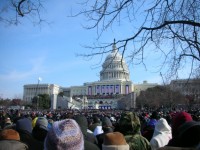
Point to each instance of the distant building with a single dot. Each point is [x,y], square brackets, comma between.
[32,90]
[142,87]
[187,87]
[114,83]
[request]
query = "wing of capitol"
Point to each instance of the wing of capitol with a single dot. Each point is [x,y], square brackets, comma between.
[114,84]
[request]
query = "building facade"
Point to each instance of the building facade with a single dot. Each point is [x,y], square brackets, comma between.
[187,87]
[114,83]
[32,90]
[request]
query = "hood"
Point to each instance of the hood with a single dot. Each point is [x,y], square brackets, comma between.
[24,124]
[162,127]
[82,122]
[129,123]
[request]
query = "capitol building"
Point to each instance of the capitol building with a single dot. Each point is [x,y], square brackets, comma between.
[114,83]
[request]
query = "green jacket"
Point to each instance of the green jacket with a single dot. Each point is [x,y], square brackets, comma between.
[129,124]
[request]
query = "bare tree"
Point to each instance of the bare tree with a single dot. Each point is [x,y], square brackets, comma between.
[170,27]
[13,11]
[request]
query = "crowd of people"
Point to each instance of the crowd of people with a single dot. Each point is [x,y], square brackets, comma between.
[100,130]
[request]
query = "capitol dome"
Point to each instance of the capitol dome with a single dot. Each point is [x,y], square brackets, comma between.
[114,67]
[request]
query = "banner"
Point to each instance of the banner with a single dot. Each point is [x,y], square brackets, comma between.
[98,89]
[90,90]
[127,89]
[116,88]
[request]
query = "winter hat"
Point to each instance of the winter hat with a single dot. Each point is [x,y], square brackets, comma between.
[189,134]
[106,122]
[9,134]
[64,134]
[8,121]
[42,123]
[113,140]
[24,124]
[178,120]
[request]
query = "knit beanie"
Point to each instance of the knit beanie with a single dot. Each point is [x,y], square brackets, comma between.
[178,120]
[189,134]
[64,134]
[113,141]
[8,121]
[42,123]
[24,124]
[9,134]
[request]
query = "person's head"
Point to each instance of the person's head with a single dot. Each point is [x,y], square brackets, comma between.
[24,124]
[155,115]
[114,140]
[96,119]
[179,119]
[9,134]
[64,134]
[129,123]
[82,121]
[41,123]
[162,126]
[189,134]
[107,124]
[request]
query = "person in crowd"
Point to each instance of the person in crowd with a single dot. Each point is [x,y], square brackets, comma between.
[64,135]
[187,138]
[179,119]
[148,130]
[96,122]
[114,141]
[162,134]
[107,128]
[98,130]
[50,123]
[129,125]
[8,124]
[24,128]
[10,140]
[90,141]
[40,130]
[3,116]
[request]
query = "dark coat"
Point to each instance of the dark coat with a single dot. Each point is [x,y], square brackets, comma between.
[24,127]
[39,133]
[12,145]
[29,140]
[88,145]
